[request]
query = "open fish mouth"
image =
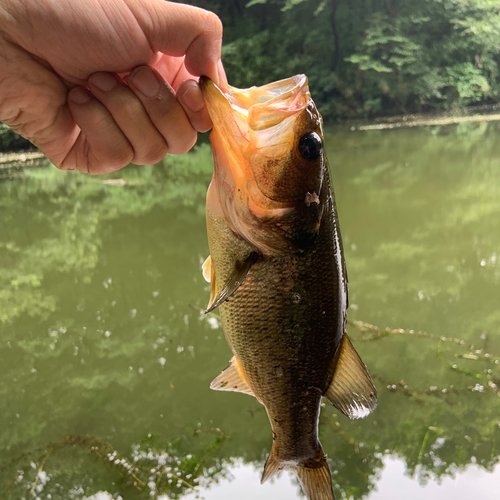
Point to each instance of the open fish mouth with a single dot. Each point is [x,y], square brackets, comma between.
[255,109]
[260,175]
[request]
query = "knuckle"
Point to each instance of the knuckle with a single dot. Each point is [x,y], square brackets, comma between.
[129,107]
[213,25]
[182,144]
[111,160]
[203,125]
[153,155]
[122,159]
[62,165]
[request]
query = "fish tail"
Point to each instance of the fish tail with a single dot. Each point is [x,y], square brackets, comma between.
[316,480]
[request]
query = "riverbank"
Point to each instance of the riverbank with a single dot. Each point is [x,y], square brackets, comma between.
[19,156]
[461,115]
[485,113]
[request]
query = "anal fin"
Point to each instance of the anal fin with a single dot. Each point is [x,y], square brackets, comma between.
[240,272]
[351,390]
[272,467]
[231,379]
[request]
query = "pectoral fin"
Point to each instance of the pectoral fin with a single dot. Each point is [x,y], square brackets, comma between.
[231,379]
[351,390]
[236,278]
[208,271]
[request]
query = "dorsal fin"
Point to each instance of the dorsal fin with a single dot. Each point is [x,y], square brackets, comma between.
[236,278]
[231,379]
[351,390]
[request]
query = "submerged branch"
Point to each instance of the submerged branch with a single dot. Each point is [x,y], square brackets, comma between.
[40,469]
[379,333]
[145,467]
[403,388]
[492,384]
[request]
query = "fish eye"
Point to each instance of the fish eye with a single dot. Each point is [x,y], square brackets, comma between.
[310,146]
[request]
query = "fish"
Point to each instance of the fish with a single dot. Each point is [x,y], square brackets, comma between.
[277,271]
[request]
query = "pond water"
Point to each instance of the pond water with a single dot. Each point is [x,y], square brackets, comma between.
[106,357]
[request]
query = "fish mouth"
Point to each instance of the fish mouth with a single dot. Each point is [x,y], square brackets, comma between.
[258,182]
[241,112]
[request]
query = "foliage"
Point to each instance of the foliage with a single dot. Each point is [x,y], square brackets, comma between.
[362,57]
[10,141]
[365,58]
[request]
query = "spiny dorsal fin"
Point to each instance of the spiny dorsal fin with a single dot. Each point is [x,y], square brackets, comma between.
[351,390]
[236,278]
[231,379]
[316,483]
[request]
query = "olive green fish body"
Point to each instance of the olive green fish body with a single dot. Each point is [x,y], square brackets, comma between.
[284,325]
[277,272]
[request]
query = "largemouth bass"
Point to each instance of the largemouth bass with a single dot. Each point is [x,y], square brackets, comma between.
[277,271]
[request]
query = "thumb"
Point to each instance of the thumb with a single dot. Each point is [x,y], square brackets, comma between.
[181,30]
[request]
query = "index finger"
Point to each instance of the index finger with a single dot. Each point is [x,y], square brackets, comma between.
[177,30]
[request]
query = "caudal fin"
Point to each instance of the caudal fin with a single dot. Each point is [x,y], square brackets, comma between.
[316,482]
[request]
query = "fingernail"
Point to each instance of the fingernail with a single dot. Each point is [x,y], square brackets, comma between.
[79,95]
[192,97]
[222,76]
[145,81]
[103,81]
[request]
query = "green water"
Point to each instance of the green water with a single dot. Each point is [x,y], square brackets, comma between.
[106,358]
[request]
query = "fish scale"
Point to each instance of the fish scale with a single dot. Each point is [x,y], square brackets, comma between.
[266,328]
[278,274]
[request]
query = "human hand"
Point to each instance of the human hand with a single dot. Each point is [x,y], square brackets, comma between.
[98,84]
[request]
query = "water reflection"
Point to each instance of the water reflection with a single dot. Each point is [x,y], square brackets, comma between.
[392,481]
[101,333]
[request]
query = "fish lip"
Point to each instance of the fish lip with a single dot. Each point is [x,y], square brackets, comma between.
[256,108]
[213,94]
[263,94]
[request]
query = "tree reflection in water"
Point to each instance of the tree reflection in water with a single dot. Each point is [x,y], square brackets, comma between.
[103,348]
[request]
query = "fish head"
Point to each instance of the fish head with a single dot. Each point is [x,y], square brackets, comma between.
[270,164]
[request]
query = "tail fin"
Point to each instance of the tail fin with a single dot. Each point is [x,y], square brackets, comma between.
[316,482]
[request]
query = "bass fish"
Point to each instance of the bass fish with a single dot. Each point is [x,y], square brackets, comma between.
[277,271]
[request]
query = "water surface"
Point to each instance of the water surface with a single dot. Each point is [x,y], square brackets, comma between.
[106,357]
